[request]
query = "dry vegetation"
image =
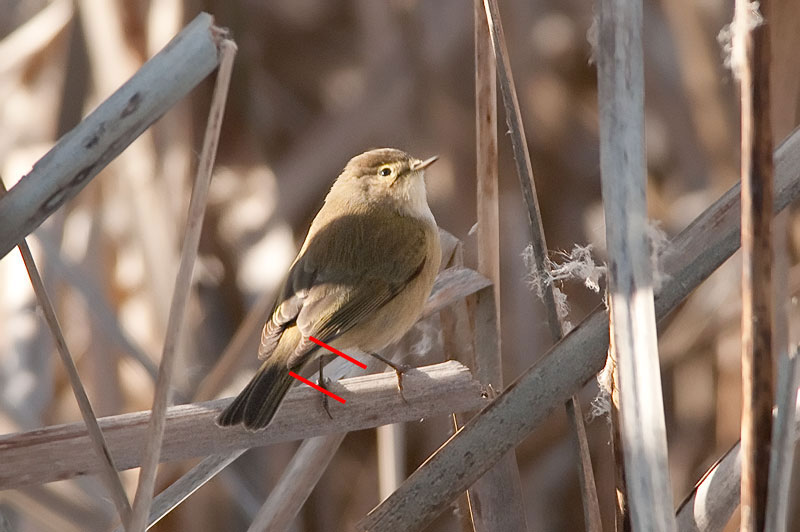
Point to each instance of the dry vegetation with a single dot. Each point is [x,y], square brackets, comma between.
[315,82]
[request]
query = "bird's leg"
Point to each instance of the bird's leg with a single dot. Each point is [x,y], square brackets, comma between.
[324,386]
[399,369]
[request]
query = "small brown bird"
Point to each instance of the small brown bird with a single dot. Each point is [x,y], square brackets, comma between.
[359,282]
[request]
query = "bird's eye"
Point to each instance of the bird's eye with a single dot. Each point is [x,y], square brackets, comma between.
[385,171]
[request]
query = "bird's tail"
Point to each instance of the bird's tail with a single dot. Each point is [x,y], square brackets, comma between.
[255,406]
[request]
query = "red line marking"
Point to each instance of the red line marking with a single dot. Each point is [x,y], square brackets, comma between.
[316,386]
[337,352]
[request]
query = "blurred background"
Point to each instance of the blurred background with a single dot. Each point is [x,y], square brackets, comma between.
[316,82]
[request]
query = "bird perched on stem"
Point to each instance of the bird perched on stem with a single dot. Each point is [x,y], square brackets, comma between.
[359,282]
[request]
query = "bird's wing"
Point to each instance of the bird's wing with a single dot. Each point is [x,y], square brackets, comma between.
[348,270]
[290,302]
[338,308]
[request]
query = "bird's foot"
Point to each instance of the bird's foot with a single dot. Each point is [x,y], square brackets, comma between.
[322,382]
[399,370]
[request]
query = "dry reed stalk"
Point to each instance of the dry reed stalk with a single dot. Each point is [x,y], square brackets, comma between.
[187,484]
[391,446]
[306,467]
[784,86]
[456,326]
[62,451]
[712,501]
[783,443]
[296,483]
[488,235]
[96,302]
[495,501]
[751,56]
[519,145]
[622,513]
[287,497]
[688,260]
[451,285]
[78,157]
[591,507]
[108,471]
[311,459]
[194,224]
[620,72]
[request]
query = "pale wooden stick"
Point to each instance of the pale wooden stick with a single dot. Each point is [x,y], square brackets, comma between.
[184,487]
[197,204]
[709,506]
[62,451]
[307,465]
[711,503]
[488,200]
[522,157]
[98,305]
[310,461]
[456,326]
[487,437]
[622,514]
[495,500]
[783,443]
[296,483]
[391,445]
[591,507]
[108,471]
[620,72]
[500,489]
[784,87]
[751,57]
[101,136]
[451,285]
[689,259]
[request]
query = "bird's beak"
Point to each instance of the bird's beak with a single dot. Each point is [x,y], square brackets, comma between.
[421,165]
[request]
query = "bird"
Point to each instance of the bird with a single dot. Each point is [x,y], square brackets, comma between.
[359,281]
